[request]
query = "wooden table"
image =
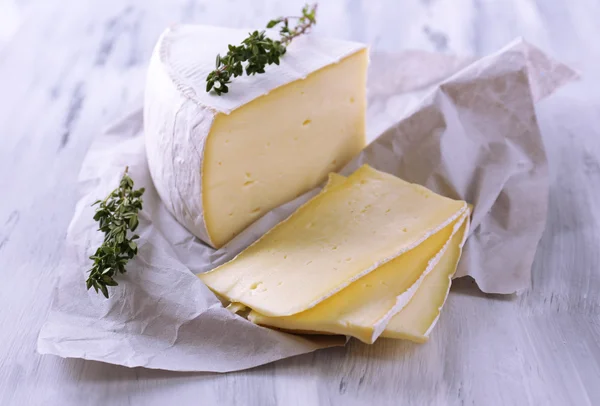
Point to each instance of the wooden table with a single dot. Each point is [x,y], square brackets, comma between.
[71,66]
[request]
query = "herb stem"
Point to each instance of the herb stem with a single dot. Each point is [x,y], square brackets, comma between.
[257,51]
[116,214]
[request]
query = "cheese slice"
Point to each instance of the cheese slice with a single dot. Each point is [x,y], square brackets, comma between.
[364,308]
[236,307]
[415,321]
[337,237]
[221,162]
[333,180]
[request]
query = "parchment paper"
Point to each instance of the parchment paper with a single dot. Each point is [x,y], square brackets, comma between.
[474,136]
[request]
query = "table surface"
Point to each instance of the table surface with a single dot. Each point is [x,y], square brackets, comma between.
[64,70]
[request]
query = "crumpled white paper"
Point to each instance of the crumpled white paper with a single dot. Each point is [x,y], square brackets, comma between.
[472,137]
[476,138]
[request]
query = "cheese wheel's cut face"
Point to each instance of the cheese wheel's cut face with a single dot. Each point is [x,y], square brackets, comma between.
[282,144]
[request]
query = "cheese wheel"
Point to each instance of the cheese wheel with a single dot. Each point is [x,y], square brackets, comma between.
[220,162]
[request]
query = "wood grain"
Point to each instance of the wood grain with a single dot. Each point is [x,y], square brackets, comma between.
[73,66]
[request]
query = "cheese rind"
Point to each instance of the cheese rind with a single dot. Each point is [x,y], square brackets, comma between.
[416,320]
[221,162]
[364,308]
[336,238]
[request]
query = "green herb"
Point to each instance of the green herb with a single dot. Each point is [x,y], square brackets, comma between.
[257,51]
[116,214]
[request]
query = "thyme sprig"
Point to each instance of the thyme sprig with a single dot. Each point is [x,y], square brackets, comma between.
[116,215]
[257,51]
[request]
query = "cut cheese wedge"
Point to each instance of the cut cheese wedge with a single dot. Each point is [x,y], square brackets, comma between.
[221,162]
[337,237]
[364,308]
[415,321]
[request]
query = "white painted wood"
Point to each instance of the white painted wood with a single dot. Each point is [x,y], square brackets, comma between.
[62,76]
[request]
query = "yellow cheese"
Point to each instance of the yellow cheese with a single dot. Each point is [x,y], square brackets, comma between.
[418,318]
[221,162]
[281,145]
[363,309]
[334,180]
[236,307]
[336,238]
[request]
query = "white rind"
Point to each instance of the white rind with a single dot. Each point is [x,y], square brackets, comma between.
[188,53]
[462,243]
[178,112]
[176,129]
[405,297]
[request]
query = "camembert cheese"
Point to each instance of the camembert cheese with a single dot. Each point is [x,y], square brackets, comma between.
[221,162]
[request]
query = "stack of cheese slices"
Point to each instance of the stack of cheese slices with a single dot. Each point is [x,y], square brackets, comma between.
[370,256]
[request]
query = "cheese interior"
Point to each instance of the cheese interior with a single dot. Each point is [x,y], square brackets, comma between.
[337,237]
[362,309]
[333,180]
[415,321]
[282,144]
